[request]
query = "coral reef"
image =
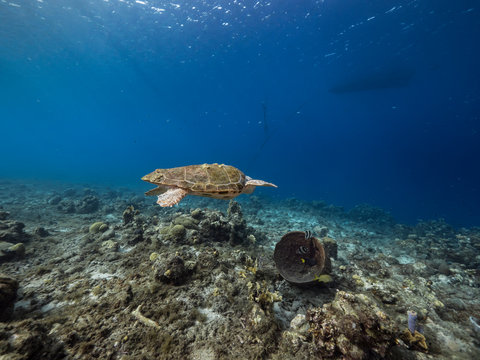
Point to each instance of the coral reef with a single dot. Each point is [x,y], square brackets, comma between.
[97,227]
[9,251]
[415,340]
[89,204]
[171,270]
[13,231]
[352,326]
[29,339]
[8,294]
[129,214]
[238,225]
[198,281]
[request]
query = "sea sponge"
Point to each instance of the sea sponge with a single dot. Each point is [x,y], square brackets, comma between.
[300,258]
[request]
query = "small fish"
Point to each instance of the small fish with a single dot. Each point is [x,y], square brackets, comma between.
[307,250]
[302,250]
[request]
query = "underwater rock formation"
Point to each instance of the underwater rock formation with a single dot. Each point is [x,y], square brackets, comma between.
[41,232]
[29,340]
[174,232]
[54,200]
[172,270]
[8,293]
[370,214]
[351,326]
[238,225]
[88,205]
[12,231]
[215,226]
[129,214]
[66,206]
[133,224]
[10,251]
[12,237]
[4,214]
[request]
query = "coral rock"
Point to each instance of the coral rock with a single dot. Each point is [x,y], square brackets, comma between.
[9,251]
[8,293]
[12,231]
[352,326]
[171,271]
[88,205]
[97,227]
[129,214]
[415,341]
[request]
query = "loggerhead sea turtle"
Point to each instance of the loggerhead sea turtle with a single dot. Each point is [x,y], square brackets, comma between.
[210,180]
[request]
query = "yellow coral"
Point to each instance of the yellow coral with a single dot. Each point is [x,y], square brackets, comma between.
[323,278]
[415,341]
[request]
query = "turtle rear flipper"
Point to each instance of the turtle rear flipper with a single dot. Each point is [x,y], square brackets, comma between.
[259,183]
[251,184]
[171,197]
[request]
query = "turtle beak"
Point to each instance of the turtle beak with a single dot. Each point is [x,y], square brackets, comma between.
[148,177]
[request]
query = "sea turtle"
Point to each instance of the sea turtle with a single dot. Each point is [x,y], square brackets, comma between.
[217,181]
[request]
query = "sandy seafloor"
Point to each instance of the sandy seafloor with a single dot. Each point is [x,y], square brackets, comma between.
[198,280]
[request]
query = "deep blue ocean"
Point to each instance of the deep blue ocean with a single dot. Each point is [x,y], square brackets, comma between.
[349,102]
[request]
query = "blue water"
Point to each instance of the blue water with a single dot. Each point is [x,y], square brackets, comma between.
[365,101]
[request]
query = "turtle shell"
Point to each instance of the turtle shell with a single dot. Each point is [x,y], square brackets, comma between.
[216,180]
[299,259]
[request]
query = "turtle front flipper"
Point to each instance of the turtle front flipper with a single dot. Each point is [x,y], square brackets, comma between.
[157,191]
[171,197]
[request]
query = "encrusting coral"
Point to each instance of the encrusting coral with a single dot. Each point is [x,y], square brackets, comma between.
[352,326]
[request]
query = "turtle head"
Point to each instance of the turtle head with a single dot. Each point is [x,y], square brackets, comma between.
[154,177]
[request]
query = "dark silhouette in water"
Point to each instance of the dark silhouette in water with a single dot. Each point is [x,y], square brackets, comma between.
[384,79]
[269,133]
[392,77]
[265,123]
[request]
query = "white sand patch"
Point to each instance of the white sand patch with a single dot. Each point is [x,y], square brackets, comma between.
[405,259]
[125,249]
[210,314]
[97,275]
